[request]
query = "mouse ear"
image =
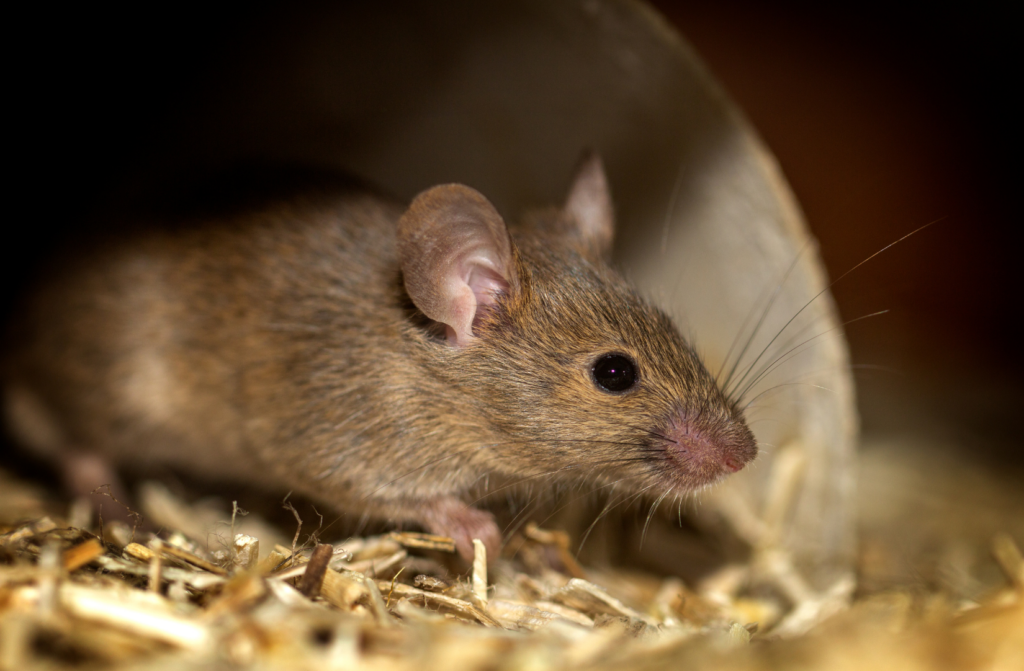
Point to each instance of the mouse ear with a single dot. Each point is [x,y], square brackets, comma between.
[589,205]
[456,257]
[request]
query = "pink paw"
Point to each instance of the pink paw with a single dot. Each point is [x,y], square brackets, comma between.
[453,518]
[90,475]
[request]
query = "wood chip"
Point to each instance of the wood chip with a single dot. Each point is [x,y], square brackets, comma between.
[593,600]
[287,595]
[138,552]
[345,589]
[18,574]
[40,526]
[275,561]
[570,614]
[155,565]
[1010,561]
[313,578]
[140,613]
[237,595]
[423,541]
[189,576]
[530,588]
[247,552]
[78,556]
[374,547]
[480,572]
[560,541]
[513,615]
[430,583]
[341,589]
[378,567]
[457,607]
[192,559]
[64,594]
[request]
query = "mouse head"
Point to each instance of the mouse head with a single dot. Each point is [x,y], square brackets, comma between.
[564,361]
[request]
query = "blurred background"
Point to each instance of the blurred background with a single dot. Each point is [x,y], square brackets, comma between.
[886,119]
[882,118]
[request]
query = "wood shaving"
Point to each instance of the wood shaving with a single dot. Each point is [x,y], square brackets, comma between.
[169,602]
[423,541]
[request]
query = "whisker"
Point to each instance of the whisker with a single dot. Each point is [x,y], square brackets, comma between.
[608,508]
[670,211]
[778,361]
[593,524]
[642,447]
[760,321]
[650,515]
[830,285]
[561,469]
[784,384]
[649,432]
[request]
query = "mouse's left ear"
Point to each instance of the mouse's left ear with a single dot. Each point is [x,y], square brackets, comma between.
[456,257]
[589,206]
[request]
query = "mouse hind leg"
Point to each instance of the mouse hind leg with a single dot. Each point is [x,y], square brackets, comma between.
[83,472]
[450,516]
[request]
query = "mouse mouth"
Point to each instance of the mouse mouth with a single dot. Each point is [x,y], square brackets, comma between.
[701,450]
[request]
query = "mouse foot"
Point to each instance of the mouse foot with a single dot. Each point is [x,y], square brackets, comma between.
[89,475]
[451,517]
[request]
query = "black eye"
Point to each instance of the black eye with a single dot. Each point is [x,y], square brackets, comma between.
[615,372]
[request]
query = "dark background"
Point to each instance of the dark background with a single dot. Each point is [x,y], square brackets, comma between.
[883,119]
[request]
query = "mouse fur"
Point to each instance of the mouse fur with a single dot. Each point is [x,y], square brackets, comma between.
[387,359]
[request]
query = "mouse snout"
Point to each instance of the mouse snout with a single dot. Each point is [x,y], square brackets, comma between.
[706,451]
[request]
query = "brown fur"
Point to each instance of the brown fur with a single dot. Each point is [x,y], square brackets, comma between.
[279,347]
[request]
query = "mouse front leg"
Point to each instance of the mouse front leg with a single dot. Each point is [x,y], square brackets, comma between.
[448,516]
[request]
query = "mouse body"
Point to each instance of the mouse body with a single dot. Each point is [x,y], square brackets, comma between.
[390,360]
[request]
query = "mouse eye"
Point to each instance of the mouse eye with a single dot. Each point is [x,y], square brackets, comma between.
[614,372]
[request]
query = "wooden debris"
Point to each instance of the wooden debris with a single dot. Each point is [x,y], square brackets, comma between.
[1009,557]
[195,579]
[155,565]
[378,567]
[560,541]
[247,552]
[479,573]
[190,558]
[342,590]
[275,561]
[78,556]
[423,541]
[373,603]
[458,607]
[28,530]
[591,599]
[137,612]
[313,577]
[430,583]
[570,614]
[512,615]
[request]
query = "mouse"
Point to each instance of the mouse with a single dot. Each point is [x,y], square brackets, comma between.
[388,359]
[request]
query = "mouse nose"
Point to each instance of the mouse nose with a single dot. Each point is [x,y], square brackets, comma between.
[707,450]
[732,463]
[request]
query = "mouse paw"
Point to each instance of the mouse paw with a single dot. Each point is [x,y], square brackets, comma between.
[453,518]
[87,474]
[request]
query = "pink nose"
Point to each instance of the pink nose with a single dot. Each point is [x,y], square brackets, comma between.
[732,464]
[708,456]
[708,450]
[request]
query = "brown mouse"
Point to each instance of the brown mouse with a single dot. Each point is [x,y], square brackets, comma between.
[387,360]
